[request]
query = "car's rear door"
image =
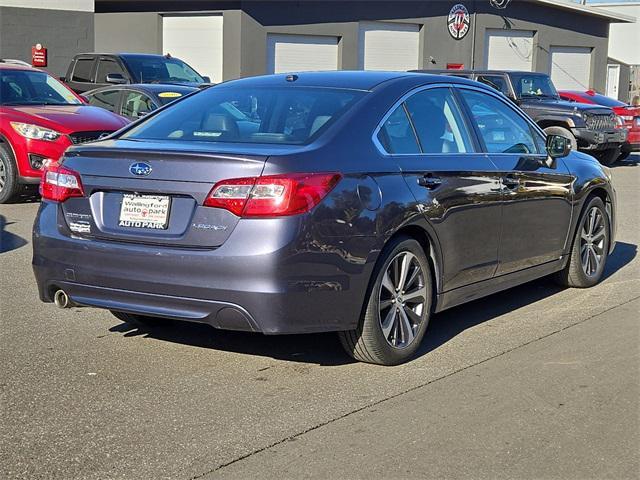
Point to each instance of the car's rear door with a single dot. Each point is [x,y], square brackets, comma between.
[537,192]
[82,74]
[456,186]
[109,99]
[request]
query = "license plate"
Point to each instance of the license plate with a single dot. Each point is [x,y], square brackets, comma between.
[144,211]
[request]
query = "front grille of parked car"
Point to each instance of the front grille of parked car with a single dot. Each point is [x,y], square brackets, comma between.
[606,121]
[84,137]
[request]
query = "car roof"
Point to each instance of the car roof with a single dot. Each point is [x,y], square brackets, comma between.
[151,88]
[344,79]
[15,66]
[123,54]
[468,72]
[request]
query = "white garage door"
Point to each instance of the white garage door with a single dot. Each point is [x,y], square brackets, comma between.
[570,67]
[197,40]
[388,46]
[301,53]
[509,50]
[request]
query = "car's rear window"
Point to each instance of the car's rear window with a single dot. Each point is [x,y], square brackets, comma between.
[283,115]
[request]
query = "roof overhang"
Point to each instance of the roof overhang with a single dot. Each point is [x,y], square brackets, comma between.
[613,17]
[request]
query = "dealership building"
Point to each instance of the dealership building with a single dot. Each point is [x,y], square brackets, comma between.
[231,39]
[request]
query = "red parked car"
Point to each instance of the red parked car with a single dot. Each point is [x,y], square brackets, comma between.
[630,115]
[39,118]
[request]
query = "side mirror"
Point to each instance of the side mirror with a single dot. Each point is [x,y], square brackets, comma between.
[206,79]
[115,78]
[557,146]
[84,98]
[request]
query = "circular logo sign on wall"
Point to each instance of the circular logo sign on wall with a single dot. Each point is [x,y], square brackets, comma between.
[458,21]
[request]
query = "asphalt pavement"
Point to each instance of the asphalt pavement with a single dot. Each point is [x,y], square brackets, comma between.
[534,382]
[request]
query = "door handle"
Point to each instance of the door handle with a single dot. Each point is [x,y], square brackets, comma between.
[429,181]
[511,182]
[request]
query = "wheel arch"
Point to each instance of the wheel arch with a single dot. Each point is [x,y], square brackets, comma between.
[605,196]
[431,247]
[553,122]
[4,140]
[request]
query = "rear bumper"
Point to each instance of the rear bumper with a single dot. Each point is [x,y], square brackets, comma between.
[592,140]
[262,279]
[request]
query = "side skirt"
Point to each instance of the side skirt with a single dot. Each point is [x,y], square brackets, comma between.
[477,290]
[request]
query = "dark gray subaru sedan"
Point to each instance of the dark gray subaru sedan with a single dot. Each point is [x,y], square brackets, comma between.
[356,202]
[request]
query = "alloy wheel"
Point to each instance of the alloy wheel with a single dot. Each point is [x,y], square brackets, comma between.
[592,241]
[3,175]
[402,300]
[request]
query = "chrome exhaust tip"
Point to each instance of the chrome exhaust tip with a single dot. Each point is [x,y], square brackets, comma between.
[61,299]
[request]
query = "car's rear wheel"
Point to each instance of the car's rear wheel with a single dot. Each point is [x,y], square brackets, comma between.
[590,248]
[8,175]
[563,132]
[608,157]
[398,307]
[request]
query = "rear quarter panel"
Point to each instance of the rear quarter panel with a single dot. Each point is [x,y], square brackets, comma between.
[589,177]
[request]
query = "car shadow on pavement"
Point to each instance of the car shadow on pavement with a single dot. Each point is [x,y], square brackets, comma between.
[630,161]
[324,349]
[9,241]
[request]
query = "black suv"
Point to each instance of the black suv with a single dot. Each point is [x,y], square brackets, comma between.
[93,70]
[591,128]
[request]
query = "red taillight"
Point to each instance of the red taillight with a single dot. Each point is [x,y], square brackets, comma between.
[59,183]
[273,195]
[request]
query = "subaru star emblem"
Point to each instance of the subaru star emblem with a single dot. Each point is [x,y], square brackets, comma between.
[140,169]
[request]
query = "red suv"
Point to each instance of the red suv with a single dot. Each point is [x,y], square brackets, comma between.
[629,114]
[39,118]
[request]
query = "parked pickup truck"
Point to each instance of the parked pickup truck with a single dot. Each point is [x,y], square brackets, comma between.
[592,129]
[89,71]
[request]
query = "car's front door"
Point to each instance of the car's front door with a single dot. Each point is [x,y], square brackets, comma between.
[537,192]
[456,186]
[136,104]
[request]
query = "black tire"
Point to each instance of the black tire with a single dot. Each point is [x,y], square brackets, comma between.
[135,319]
[624,155]
[575,273]
[563,132]
[407,321]
[8,175]
[608,157]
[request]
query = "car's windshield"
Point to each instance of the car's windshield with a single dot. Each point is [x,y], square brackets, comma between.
[533,86]
[285,115]
[161,70]
[32,87]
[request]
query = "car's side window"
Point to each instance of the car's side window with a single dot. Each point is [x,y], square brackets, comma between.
[501,127]
[107,99]
[82,70]
[438,122]
[396,134]
[136,105]
[495,81]
[107,67]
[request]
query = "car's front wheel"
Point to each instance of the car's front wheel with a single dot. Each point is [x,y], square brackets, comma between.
[608,157]
[398,307]
[590,248]
[8,175]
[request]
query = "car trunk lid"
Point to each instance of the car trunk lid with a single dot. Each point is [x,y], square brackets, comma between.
[153,193]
